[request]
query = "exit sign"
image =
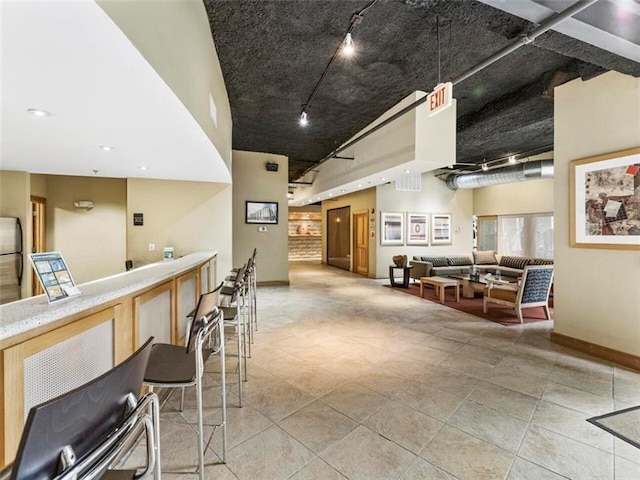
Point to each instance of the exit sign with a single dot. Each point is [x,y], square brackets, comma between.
[440,99]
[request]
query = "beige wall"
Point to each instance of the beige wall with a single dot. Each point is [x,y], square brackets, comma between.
[435,197]
[39,185]
[251,181]
[532,196]
[91,241]
[14,202]
[188,216]
[595,289]
[364,200]
[175,38]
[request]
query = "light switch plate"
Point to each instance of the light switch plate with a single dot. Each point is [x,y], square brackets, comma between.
[262,228]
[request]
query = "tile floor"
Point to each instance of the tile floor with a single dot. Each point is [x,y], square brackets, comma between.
[349,379]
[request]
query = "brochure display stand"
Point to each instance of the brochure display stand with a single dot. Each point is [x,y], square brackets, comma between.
[54,275]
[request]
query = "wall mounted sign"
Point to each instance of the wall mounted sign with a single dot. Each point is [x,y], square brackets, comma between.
[440,99]
[54,275]
[138,219]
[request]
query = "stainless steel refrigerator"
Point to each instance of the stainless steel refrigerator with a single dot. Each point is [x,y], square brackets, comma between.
[11,259]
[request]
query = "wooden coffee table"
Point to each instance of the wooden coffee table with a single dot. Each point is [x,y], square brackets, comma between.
[439,284]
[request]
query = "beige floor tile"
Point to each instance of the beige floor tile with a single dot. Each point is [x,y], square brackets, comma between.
[316,381]
[318,470]
[277,400]
[571,423]
[430,400]
[626,450]
[592,382]
[565,456]
[271,454]
[467,366]
[452,382]
[420,469]
[508,401]
[242,423]
[490,425]
[425,354]
[576,399]
[524,470]
[404,425]
[526,365]
[444,344]
[627,389]
[384,383]
[520,382]
[626,470]
[481,354]
[317,426]
[466,457]
[355,401]
[365,455]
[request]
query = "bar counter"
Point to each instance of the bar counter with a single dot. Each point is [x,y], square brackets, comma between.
[48,349]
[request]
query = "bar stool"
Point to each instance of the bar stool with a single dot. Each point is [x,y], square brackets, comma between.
[232,304]
[87,432]
[174,366]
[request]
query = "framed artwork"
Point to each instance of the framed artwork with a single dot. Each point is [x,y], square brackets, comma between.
[417,228]
[392,225]
[604,201]
[440,228]
[261,212]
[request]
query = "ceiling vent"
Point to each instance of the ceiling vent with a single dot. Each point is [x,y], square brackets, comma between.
[409,183]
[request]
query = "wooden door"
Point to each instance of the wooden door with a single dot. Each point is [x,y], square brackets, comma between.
[361,243]
[38,243]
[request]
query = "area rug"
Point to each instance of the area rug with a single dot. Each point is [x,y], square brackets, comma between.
[624,424]
[497,313]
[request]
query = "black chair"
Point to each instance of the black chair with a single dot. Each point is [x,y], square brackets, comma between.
[174,366]
[87,432]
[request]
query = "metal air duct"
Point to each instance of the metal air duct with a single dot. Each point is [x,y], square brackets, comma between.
[513,173]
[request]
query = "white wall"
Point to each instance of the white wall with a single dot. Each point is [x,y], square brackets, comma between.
[532,196]
[595,289]
[251,181]
[188,216]
[435,197]
[175,38]
[93,242]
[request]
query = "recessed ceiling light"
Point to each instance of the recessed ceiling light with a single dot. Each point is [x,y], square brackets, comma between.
[106,148]
[359,185]
[142,167]
[343,190]
[382,178]
[38,113]
[331,194]
[512,159]
[407,171]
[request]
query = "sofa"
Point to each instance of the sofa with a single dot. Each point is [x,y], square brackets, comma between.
[481,261]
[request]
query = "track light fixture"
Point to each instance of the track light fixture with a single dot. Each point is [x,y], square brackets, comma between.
[304,119]
[485,167]
[512,159]
[346,47]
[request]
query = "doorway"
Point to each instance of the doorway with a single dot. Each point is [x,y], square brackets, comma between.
[361,243]
[339,237]
[38,237]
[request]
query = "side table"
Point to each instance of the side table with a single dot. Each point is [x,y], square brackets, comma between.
[406,271]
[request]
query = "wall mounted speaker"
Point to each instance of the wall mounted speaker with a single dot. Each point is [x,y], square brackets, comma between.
[272,167]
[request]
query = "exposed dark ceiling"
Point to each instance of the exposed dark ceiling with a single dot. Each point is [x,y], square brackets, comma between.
[273,53]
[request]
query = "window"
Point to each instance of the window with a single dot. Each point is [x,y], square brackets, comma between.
[526,235]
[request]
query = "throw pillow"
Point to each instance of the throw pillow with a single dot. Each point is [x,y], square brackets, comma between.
[435,261]
[486,257]
[541,261]
[514,262]
[459,260]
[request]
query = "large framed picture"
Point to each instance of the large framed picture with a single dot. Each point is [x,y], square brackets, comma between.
[440,228]
[261,212]
[417,228]
[392,225]
[604,201]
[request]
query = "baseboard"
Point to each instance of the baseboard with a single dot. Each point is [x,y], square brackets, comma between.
[273,283]
[615,356]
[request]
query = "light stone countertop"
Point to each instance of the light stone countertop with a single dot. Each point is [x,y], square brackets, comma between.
[23,315]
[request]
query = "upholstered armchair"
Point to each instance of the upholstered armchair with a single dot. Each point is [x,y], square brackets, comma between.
[532,291]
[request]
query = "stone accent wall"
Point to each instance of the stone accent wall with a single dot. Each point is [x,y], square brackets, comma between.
[305,247]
